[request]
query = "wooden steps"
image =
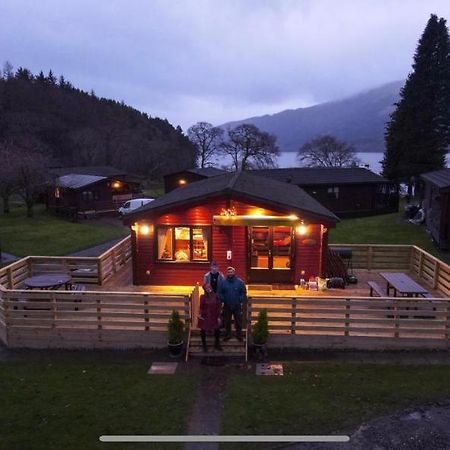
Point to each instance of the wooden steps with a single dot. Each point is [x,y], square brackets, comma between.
[231,348]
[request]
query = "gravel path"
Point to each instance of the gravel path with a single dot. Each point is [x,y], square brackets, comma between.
[425,428]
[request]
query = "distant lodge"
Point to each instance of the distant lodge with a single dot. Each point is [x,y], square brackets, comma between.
[436,203]
[347,192]
[270,231]
[81,191]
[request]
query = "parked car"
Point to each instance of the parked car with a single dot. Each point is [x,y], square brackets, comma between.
[133,204]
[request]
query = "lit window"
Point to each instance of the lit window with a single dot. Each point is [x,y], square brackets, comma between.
[183,243]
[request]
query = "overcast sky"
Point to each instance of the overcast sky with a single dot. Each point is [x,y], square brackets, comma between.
[217,60]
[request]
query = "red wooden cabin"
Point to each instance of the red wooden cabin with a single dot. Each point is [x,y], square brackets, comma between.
[271,232]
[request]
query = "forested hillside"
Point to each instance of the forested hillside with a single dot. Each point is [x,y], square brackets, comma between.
[42,113]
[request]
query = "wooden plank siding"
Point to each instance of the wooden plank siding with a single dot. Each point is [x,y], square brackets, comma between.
[148,271]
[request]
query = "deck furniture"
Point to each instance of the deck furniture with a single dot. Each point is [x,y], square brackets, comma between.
[48,281]
[78,287]
[375,288]
[402,284]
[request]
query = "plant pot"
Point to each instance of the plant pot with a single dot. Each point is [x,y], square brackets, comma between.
[175,350]
[260,350]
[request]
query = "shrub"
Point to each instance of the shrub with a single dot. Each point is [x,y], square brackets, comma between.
[175,328]
[261,328]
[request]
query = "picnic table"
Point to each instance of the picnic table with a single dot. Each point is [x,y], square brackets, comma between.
[48,281]
[403,284]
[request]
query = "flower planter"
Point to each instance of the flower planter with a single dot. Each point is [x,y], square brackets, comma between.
[175,350]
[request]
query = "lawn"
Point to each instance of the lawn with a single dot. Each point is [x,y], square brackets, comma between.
[67,401]
[321,398]
[45,234]
[384,229]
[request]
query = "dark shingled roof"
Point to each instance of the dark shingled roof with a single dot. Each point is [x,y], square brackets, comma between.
[75,181]
[441,178]
[308,176]
[99,171]
[258,188]
[206,171]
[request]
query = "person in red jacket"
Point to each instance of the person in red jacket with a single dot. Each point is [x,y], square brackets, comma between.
[209,316]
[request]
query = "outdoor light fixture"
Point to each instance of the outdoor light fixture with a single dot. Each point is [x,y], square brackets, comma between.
[182,182]
[145,229]
[116,184]
[302,229]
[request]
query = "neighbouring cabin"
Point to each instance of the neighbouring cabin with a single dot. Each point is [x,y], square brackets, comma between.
[79,191]
[436,202]
[348,192]
[271,232]
[179,179]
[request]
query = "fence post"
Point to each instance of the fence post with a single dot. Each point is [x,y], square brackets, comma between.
[10,278]
[146,319]
[420,265]
[396,319]
[293,314]
[437,266]
[113,255]
[447,321]
[53,298]
[99,311]
[99,272]
[369,257]
[347,316]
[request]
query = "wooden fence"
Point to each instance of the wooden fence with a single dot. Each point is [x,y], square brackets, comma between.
[89,319]
[87,270]
[388,322]
[429,270]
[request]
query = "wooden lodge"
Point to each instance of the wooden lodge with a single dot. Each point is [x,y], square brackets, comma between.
[347,192]
[436,202]
[270,231]
[81,191]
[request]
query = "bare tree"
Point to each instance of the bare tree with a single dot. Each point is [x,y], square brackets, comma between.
[32,176]
[250,148]
[207,140]
[327,151]
[8,174]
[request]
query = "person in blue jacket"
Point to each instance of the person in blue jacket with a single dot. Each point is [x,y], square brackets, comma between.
[233,294]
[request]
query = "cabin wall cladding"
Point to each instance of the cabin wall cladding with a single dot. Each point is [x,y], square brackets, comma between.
[308,252]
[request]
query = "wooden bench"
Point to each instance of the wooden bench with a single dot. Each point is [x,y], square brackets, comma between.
[375,287]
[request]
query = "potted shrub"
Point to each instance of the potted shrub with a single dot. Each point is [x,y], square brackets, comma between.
[260,333]
[175,330]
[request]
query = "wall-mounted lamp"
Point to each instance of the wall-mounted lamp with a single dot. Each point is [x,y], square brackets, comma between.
[182,181]
[302,229]
[144,229]
[116,184]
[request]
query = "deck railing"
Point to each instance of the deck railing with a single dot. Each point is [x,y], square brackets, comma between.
[59,318]
[429,270]
[356,317]
[88,270]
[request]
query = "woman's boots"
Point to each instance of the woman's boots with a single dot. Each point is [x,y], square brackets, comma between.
[217,345]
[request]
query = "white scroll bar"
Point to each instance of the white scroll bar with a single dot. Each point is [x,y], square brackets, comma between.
[225,438]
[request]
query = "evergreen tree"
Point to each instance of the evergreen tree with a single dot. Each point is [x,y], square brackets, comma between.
[418,133]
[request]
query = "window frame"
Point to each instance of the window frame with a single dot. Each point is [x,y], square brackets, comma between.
[206,228]
[333,192]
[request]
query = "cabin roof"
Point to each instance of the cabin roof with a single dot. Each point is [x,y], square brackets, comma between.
[241,184]
[203,171]
[76,181]
[440,178]
[311,176]
[98,171]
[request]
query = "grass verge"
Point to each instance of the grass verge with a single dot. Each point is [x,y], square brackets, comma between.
[47,235]
[322,398]
[68,402]
[384,229]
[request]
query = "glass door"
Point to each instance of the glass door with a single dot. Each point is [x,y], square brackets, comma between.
[271,254]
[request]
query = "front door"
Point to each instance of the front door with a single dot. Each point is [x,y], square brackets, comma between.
[271,254]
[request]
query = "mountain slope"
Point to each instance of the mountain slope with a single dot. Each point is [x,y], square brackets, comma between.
[359,120]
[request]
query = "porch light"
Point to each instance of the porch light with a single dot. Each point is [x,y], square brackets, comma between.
[302,229]
[182,181]
[116,184]
[145,229]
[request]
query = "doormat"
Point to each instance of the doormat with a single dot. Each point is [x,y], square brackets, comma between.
[163,368]
[269,369]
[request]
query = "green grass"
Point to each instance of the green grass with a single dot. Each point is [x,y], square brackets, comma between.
[321,398]
[67,402]
[384,229]
[46,234]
